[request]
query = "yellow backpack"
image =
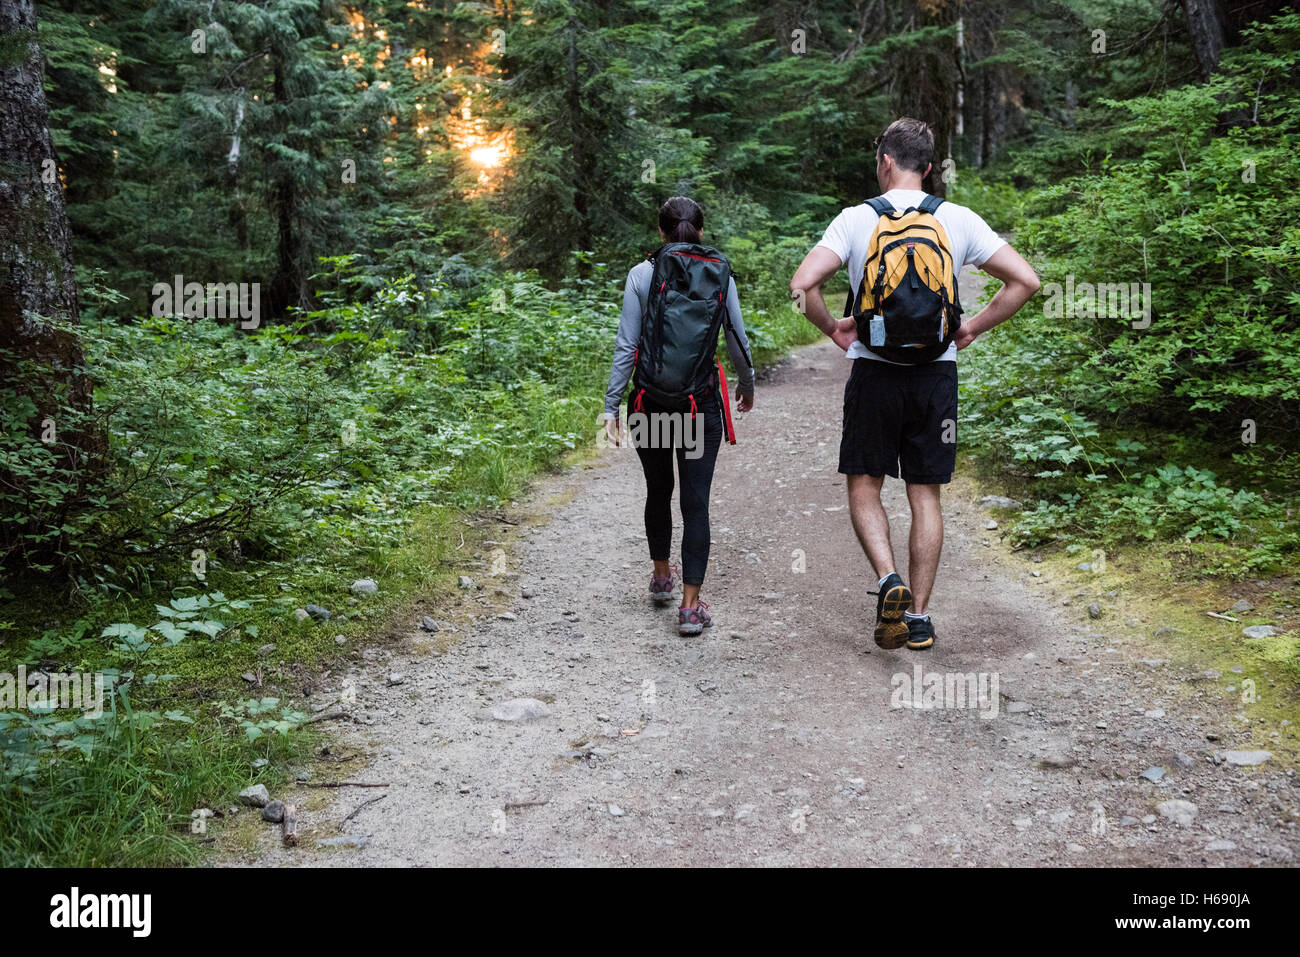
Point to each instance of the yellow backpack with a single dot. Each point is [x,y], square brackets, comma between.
[906,303]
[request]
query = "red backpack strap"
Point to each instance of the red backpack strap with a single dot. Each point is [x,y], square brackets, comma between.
[726,404]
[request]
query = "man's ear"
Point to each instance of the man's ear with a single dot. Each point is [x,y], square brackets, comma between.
[927,171]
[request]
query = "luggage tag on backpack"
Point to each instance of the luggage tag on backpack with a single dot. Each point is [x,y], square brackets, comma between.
[876,331]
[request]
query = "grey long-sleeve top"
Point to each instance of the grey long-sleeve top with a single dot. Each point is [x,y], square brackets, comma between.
[635,296]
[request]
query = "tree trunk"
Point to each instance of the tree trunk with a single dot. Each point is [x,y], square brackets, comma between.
[38,290]
[579,153]
[289,286]
[1205,22]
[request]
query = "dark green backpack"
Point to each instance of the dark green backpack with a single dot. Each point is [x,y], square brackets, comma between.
[686,307]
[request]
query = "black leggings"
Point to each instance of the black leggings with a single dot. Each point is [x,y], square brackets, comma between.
[697,478]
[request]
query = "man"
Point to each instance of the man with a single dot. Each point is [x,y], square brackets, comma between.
[904,415]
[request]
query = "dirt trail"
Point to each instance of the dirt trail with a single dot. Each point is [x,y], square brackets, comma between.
[772,740]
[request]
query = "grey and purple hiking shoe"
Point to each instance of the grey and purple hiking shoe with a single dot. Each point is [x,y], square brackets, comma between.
[661,589]
[692,621]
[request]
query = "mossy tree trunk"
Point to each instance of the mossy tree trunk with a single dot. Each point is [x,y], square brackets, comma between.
[40,349]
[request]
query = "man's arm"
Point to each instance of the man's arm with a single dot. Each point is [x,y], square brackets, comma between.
[806,289]
[1019,283]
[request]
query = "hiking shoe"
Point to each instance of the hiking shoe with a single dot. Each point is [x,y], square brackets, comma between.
[920,633]
[692,621]
[661,589]
[895,597]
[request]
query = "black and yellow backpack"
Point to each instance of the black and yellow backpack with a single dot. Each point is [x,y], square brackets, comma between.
[905,303]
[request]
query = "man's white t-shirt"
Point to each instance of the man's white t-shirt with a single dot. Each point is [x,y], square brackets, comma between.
[971,239]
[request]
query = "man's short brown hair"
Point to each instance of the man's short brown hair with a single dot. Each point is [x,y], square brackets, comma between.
[910,142]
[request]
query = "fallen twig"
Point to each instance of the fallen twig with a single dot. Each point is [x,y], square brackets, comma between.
[358,810]
[515,805]
[344,784]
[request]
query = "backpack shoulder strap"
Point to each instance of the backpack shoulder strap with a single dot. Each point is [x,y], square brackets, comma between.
[930,204]
[880,205]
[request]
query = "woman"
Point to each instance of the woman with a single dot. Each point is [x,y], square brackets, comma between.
[681,220]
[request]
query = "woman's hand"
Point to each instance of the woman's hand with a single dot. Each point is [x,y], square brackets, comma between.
[612,431]
[744,402]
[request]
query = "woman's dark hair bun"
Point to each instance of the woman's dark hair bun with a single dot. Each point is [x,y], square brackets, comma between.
[681,219]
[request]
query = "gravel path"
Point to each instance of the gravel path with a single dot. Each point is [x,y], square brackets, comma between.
[776,739]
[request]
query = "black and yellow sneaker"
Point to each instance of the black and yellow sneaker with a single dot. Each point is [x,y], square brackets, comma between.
[891,630]
[920,633]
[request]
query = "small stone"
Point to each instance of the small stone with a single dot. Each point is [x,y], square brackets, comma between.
[1242,606]
[1154,713]
[1259,631]
[527,592]
[464,581]
[1000,501]
[1219,844]
[1180,812]
[615,811]
[301,614]
[1153,774]
[260,763]
[1184,761]
[1084,566]
[990,525]
[364,586]
[428,624]
[1018,707]
[1246,759]
[249,677]
[1036,574]
[1127,820]
[255,796]
[340,640]
[396,678]
[1167,630]
[520,709]
[317,612]
[266,650]
[507,616]
[1094,610]
[1100,725]
[273,812]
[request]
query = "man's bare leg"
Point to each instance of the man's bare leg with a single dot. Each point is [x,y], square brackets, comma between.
[872,525]
[924,543]
[870,521]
